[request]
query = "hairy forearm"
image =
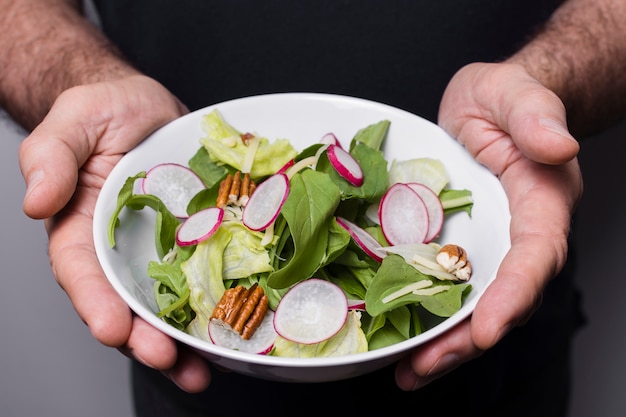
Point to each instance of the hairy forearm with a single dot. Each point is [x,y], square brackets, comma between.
[581,55]
[46,47]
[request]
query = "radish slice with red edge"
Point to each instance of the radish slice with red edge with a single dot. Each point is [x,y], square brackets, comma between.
[363,239]
[403,215]
[199,226]
[265,202]
[434,208]
[311,311]
[174,184]
[356,305]
[285,167]
[261,342]
[330,139]
[345,165]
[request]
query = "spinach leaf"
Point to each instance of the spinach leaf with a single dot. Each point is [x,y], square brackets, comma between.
[445,304]
[385,336]
[395,274]
[373,135]
[375,179]
[308,210]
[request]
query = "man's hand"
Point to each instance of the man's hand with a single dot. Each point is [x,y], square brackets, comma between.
[65,161]
[517,128]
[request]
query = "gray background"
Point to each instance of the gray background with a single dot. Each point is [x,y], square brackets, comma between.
[51,366]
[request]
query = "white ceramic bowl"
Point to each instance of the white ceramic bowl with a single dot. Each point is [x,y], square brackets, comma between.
[303,118]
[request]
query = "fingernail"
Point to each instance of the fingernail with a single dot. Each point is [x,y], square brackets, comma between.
[445,364]
[504,330]
[133,355]
[422,382]
[556,127]
[169,375]
[33,181]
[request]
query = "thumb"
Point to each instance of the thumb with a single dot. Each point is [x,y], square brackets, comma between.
[49,162]
[537,125]
[483,100]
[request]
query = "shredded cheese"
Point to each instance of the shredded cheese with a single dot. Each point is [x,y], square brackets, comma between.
[406,290]
[427,263]
[432,290]
[253,145]
[268,236]
[303,163]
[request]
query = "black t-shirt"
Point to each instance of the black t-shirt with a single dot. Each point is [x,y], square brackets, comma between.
[401,53]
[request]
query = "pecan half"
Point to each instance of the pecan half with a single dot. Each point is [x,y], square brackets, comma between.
[242,309]
[235,190]
[245,137]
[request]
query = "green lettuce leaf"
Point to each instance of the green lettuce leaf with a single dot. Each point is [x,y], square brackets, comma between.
[428,171]
[224,144]
[203,271]
[244,256]
[349,340]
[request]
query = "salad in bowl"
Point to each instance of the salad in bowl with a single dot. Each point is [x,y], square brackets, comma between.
[280,253]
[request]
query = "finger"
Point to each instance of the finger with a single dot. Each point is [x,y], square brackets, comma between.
[149,346]
[77,270]
[512,298]
[185,368]
[191,372]
[51,156]
[437,357]
[538,246]
[50,168]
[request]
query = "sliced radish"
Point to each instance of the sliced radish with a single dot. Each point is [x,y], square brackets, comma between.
[199,226]
[285,167]
[356,305]
[345,165]
[365,241]
[265,203]
[330,139]
[174,184]
[434,207]
[311,311]
[261,341]
[403,215]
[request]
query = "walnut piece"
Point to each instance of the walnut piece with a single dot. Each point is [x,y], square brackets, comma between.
[242,309]
[453,259]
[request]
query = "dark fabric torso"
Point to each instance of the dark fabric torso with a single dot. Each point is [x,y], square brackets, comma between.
[398,52]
